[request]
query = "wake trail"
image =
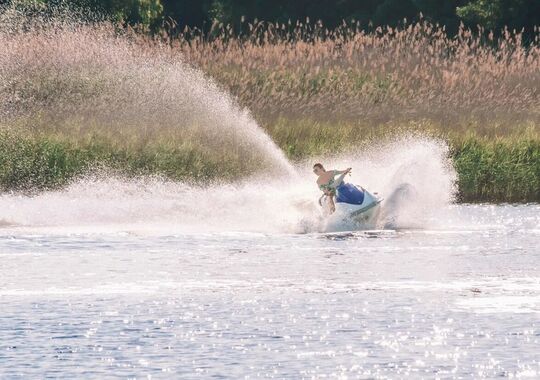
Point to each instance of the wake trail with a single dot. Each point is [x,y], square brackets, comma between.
[415,179]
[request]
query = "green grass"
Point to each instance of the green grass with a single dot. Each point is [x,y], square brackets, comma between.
[41,161]
[500,170]
[490,169]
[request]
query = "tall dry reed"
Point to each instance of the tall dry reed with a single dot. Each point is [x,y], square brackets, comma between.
[390,74]
[76,94]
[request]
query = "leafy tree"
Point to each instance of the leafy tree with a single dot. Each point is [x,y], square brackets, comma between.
[145,12]
[496,14]
[492,14]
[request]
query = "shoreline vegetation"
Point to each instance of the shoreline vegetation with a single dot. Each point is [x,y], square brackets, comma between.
[314,91]
[504,169]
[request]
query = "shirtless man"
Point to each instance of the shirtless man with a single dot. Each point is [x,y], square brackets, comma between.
[327,182]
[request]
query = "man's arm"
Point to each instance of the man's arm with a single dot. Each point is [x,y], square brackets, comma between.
[338,181]
[336,172]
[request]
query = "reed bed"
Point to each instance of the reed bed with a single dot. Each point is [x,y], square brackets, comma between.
[413,73]
[505,169]
[78,97]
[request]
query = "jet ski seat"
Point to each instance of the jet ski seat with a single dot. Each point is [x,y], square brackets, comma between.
[349,193]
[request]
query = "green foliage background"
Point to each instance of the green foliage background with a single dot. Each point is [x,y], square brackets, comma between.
[177,14]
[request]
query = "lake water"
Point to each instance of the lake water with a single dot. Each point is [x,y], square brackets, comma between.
[458,300]
[111,277]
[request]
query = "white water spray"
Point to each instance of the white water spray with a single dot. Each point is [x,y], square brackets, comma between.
[61,73]
[254,205]
[75,77]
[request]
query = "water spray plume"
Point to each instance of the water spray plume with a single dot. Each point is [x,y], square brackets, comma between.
[60,72]
[150,205]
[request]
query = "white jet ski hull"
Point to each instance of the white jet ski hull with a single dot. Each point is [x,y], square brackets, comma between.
[351,216]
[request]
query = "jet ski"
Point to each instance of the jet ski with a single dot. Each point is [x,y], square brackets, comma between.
[354,204]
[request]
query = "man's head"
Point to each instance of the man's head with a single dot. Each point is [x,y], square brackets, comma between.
[318,169]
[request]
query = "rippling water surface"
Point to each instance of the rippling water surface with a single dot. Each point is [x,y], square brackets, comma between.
[461,300]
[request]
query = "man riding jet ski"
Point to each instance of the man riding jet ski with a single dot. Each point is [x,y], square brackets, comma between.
[353,202]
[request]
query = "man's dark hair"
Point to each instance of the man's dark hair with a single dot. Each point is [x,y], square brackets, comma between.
[317,165]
